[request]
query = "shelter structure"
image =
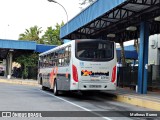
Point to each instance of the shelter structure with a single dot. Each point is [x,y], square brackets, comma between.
[119,21]
[10,49]
[130,52]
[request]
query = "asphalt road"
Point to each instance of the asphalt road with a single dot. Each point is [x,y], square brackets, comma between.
[27,98]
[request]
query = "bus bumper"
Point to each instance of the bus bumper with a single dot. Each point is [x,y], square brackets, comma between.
[97,86]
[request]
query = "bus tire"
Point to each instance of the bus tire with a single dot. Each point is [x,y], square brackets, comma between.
[41,81]
[55,91]
[43,87]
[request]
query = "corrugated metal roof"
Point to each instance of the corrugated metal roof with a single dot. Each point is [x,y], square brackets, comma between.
[128,48]
[24,45]
[89,14]
[42,48]
[17,44]
[130,52]
[112,16]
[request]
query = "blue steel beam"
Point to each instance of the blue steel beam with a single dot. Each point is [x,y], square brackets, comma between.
[143,58]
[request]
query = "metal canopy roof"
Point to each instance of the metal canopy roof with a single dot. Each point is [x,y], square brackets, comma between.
[17,44]
[130,52]
[21,47]
[115,20]
[43,48]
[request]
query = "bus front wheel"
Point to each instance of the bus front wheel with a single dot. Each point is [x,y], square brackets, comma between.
[55,91]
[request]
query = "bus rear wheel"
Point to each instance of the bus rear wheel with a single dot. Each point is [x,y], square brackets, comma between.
[44,88]
[55,91]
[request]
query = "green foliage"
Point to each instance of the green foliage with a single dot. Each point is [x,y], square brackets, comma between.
[123,59]
[51,36]
[32,34]
[83,2]
[26,61]
[136,45]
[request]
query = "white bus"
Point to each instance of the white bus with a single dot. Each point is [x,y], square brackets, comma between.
[79,65]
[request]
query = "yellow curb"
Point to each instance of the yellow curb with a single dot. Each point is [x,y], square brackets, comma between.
[19,82]
[139,102]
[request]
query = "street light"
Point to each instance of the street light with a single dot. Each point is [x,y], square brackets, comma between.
[157,18]
[131,28]
[111,35]
[64,10]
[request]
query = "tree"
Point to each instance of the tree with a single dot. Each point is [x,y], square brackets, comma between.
[51,36]
[123,60]
[32,34]
[136,45]
[83,2]
[27,60]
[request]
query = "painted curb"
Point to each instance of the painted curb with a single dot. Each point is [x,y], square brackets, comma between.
[31,83]
[139,102]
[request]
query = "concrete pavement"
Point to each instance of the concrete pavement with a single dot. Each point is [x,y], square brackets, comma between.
[150,100]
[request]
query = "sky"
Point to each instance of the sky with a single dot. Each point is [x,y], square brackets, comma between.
[18,15]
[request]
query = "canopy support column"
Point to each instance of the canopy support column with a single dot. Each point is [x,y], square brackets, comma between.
[143,58]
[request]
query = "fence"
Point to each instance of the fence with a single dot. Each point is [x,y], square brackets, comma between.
[154,77]
[32,73]
[128,77]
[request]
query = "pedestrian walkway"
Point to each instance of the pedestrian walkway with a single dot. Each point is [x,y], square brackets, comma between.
[150,100]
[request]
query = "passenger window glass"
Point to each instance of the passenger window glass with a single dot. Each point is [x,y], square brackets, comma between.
[96,50]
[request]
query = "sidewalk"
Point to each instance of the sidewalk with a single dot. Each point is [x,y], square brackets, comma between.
[150,100]
[19,81]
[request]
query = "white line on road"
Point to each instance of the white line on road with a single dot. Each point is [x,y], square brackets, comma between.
[76,105]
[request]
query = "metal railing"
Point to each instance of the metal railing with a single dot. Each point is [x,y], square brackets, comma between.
[128,77]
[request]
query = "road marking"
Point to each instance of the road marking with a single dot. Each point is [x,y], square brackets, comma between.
[76,105]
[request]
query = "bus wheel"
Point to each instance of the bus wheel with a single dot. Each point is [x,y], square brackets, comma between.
[44,88]
[55,91]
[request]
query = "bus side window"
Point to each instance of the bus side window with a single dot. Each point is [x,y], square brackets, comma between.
[56,54]
[56,62]
[59,62]
[62,62]
[69,51]
[67,55]
[44,61]
[41,62]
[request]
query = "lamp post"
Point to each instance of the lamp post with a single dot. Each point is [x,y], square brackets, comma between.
[64,10]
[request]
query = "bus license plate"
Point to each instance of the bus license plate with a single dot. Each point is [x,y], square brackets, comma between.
[95,86]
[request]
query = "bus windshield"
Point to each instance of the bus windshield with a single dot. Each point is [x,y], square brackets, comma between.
[95,50]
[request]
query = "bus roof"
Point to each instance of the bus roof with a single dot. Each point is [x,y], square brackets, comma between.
[56,48]
[66,44]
